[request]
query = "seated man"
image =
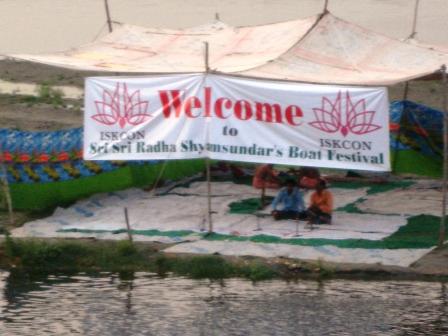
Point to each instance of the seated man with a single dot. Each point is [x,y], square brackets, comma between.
[308,177]
[292,203]
[265,177]
[321,206]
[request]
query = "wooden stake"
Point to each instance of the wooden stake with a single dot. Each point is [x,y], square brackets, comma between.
[445,154]
[5,187]
[128,226]
[109,21]
[402,118]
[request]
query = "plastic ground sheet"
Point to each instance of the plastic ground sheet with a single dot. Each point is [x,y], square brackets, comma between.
[372,218]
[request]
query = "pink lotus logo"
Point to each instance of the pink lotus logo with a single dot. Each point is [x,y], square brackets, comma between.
[120,107]
[357,119]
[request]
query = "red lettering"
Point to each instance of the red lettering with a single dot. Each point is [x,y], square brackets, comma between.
[238,109]
[218,107]
[208,95]
[168,102]
[174,104]
[191,103]
[264,112]
[291,112]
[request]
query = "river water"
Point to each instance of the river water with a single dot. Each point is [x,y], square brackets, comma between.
[146,304]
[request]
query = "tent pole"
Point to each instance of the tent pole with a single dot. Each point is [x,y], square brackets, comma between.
[397,140]
[414,22]
[207,160]
[326,6]
[445,154]
[109,21]
[209,197]
[5,187]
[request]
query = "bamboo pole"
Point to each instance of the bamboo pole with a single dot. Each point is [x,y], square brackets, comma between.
[5,187]
[109,21]
[402,117]
[207,160]
[326,6]
[209,197]
[445,154]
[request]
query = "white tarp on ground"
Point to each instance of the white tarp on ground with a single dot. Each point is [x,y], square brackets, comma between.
[397,257]
[319,49]
[236,119]
[105,212]
[409,201]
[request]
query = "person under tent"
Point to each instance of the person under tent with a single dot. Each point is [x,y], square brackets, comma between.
[290,198]
[308,177]
[265,177]
[321,207]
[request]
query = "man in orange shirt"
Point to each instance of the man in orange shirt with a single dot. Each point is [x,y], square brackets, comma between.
[321,206]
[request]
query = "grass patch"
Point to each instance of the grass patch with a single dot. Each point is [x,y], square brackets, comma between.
[72,255]
[215,267]
[83,256]
[46,94]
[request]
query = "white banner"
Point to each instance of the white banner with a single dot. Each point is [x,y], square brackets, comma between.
[236,119]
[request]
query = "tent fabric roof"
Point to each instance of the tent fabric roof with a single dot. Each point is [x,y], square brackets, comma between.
[320,49]
[339,52]
[137,49]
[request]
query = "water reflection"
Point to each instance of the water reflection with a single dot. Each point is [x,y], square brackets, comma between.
[145,304]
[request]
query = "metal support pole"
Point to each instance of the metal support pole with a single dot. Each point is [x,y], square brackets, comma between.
[445,154]
[109,21]
[402,118]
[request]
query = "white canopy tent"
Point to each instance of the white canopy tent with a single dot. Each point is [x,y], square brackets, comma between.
[321,49]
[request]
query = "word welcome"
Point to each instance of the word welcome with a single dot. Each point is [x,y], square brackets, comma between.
[174,105]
